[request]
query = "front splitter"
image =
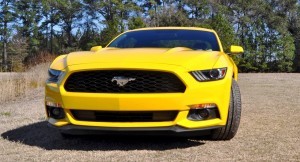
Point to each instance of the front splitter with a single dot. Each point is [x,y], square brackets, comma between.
[151,131]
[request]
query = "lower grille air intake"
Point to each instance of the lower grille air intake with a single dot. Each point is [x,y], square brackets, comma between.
[125,116]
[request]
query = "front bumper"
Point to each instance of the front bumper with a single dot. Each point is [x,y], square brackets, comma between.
[217,92]
[152,131]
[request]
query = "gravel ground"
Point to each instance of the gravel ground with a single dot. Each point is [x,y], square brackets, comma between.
[269,131]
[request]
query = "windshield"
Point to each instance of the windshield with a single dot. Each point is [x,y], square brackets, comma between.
[167,38]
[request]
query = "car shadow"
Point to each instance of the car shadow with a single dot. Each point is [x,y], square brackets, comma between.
[40,135]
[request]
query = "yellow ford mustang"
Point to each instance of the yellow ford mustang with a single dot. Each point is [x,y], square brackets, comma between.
[171,80]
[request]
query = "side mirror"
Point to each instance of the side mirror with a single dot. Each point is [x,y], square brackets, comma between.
[96,48]
[236,50]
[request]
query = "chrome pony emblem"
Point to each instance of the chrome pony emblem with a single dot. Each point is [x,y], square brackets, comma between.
[121,80]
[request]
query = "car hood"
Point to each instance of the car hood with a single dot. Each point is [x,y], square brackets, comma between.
[179,56]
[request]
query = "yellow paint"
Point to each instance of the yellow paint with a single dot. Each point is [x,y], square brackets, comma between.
[59,62]
[179,61]
[236,49]
[96,48]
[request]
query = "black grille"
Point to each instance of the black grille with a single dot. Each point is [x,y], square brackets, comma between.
[125,116]
[136,82]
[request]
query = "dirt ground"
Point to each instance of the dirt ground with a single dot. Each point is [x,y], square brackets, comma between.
[269,131]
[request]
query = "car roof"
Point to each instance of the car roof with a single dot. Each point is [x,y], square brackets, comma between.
[174,28]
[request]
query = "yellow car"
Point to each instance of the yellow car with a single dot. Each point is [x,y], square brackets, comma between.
[162,81]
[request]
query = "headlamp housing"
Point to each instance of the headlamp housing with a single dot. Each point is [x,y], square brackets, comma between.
[54,75]
[209,75]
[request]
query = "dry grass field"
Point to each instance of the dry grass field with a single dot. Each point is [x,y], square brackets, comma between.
[269,131]
[13,85]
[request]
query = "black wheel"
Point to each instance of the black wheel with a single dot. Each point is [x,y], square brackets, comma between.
[234,115]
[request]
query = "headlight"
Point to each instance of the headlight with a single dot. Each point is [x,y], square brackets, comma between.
[209,75]
[54,75]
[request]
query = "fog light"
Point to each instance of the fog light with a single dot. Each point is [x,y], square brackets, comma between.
[55,112]
[203,112]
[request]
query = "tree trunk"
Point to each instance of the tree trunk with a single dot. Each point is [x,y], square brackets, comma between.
[51,30]
[51,39]
[4,52]
[69,34]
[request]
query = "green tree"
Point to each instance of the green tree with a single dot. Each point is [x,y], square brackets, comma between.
[29,14]
[18,51]
[165,13]
[6,17]
[195,9]
[70,12]
[51,15]
[171,16]
[224,29]
[115,14]
[261,29]
[90,27]
[268,30]
[291,10]
[136,22]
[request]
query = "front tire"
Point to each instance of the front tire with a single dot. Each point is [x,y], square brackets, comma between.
[234,115]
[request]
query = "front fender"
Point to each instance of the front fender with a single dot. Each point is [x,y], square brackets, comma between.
[59,62]
[226,61]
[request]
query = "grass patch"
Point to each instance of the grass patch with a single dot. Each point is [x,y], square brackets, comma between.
[5,114]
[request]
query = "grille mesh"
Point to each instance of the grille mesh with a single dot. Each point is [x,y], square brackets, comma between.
[109,116]
[136,81]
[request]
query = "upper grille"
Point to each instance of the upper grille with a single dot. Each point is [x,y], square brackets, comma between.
[124,116]
[136,81]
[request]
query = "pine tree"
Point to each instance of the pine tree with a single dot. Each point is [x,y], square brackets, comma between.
[29,15]
[70,12]
[6,17]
